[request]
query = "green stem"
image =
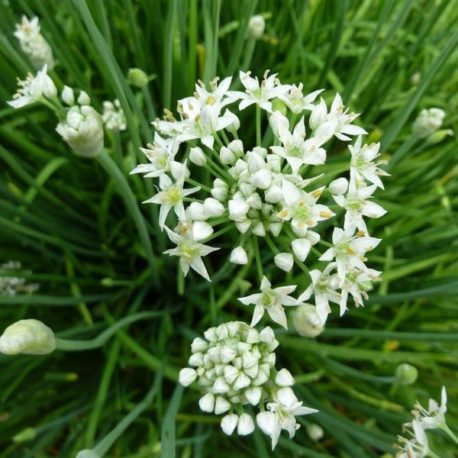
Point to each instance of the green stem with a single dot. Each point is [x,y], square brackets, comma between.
[101,339]
[450,433]
[105,444]
[257,256]
[258,125]
[131,203]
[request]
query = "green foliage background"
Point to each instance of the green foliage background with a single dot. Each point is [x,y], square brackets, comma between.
[63,218]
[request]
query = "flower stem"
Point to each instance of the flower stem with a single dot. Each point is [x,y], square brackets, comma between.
[131,203]
[101,339]
[450,433]
[257,256]
[258,125]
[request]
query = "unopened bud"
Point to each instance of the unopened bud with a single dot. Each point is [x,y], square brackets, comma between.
[256,26]
[28,337]
[406,374]
[137,77]
[307,322]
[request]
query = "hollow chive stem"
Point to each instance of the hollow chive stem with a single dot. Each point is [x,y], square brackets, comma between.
[101,339]
[130,201]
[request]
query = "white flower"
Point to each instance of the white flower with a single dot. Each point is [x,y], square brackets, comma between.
[348,251]
[256,26]
[82,129]
[161,153]
[337,122]
[356,283]
[282,414]
[296,101]
[271,300]
[323,290]
[307,321]
[170,196]
[33,43]
[258,93]
[428,122]
[238,256]
[357,205]
[434,416]
[296,150]
[190,253]
[113,116]
[362,165]
[28,337]
[301,208]
[32,89]
[415,447]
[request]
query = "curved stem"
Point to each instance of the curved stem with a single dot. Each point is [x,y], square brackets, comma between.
[131,203]
[101,339]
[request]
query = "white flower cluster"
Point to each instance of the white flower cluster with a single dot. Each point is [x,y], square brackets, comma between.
[113,116]
[81,126]
[33,43]
[235,367]
[268,189]
[11,281]
[428,121]
[416,445]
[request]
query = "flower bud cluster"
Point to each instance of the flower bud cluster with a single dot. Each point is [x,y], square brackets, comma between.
[12,281]
[234,365]
[428,121]
[113,116]
[33,43]
[82,127]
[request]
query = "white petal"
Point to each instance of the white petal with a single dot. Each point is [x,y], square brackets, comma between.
[284,378]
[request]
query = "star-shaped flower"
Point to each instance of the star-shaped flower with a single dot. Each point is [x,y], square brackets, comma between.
[282,414]
[272,301]
[190,252]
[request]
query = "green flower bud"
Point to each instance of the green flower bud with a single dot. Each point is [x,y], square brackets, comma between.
[439,136]
[307,322]
[28,337]
[137,77]
[406,374]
